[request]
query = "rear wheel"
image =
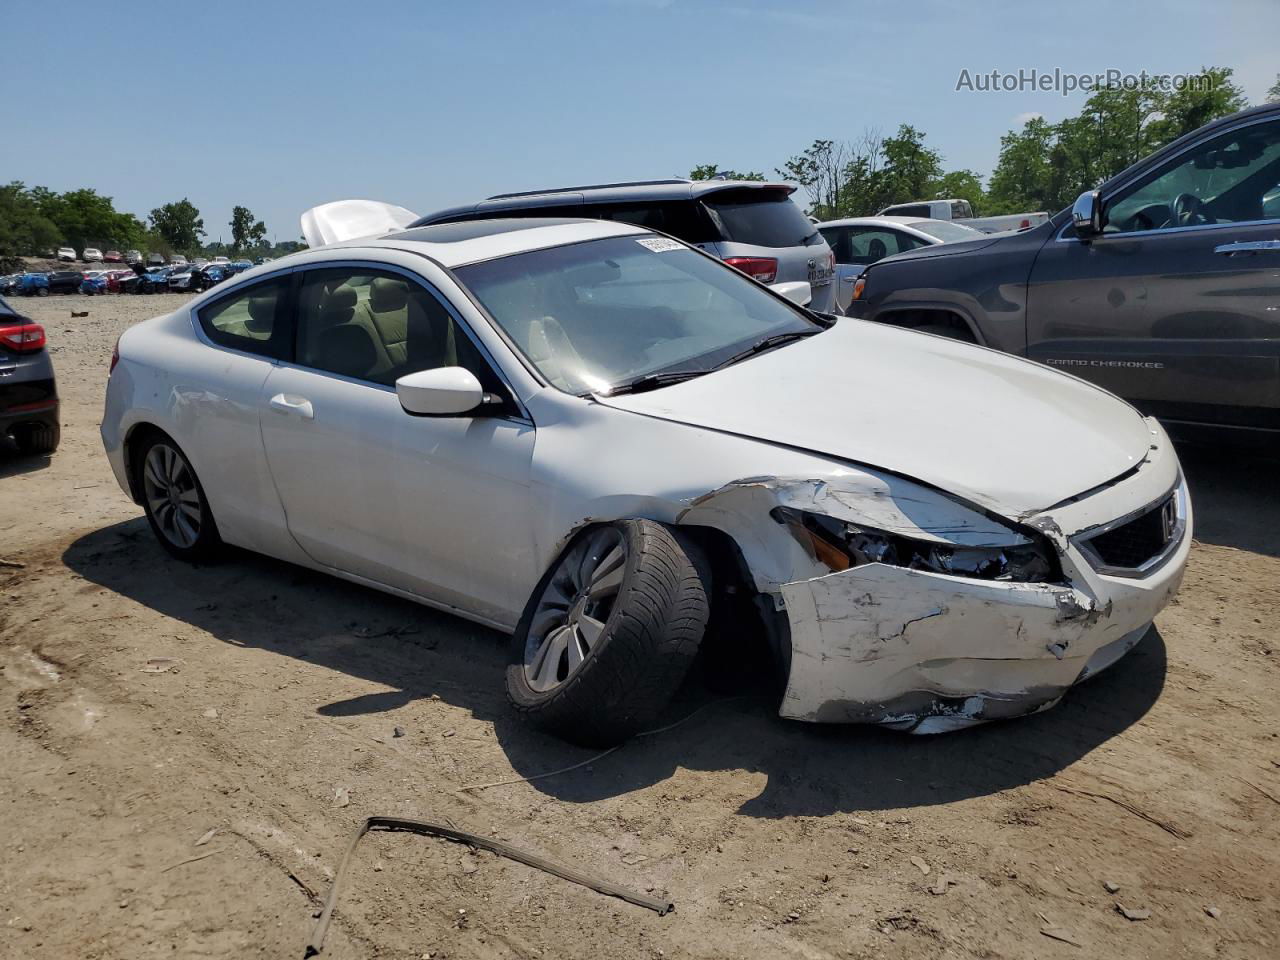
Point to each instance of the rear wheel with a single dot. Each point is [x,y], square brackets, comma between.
[175,502]
[42,291]
[609,633]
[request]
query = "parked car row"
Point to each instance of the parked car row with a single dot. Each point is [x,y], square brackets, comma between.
[179,277]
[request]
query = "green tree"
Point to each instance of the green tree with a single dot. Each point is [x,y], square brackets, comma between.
[909,166]
[24,230]
[179,224]
[820,169]
[1273,95]
[1021,178]
[1209,95]
[709,171]
[245,231]
[960,185]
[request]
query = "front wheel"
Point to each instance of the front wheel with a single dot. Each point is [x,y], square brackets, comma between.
[174,501]
[609,633]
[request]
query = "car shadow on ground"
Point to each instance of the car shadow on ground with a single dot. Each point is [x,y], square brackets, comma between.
[1234,496]
[412,653]
[15,464]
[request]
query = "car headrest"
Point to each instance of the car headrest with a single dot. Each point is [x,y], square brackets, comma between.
[347,349]
[344,297]
[387,294]
[262,314]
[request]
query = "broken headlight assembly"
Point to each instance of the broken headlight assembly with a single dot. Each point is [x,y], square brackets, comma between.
[840,545]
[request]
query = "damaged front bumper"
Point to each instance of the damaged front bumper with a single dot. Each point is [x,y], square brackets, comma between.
[929,652]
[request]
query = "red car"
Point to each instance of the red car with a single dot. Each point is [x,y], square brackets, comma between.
[113,256]
[115,279]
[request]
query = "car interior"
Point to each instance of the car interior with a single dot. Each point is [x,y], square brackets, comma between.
[1233,179]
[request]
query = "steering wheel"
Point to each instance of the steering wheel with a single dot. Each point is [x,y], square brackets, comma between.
[1184,211]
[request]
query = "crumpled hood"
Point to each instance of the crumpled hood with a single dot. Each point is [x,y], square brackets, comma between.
[1002,432]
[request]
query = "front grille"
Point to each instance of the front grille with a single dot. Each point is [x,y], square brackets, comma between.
[1139,540]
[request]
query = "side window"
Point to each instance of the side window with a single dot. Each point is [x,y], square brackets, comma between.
[839,240]
[680,218]
[251,319]
[1229,179]
[869,244]
[378,326]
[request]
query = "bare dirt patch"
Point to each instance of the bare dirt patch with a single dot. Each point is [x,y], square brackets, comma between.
[1155,787]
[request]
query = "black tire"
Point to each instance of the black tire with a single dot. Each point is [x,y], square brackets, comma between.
[34,439]
[42,291]
[943,330]
[638,661]
[206,545]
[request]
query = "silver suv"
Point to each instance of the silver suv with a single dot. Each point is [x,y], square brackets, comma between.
[753,226]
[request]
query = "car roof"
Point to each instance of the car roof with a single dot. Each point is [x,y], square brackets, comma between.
[870,222]
[455,244]
[636,191]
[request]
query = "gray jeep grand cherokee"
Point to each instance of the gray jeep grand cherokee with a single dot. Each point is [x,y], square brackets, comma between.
[1163,285]
[751,225]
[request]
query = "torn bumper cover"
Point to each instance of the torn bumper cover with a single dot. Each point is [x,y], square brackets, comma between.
[929,651]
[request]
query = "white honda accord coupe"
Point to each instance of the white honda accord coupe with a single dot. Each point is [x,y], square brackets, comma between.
[600,440]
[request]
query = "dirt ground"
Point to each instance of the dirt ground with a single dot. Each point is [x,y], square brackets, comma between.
[274,727]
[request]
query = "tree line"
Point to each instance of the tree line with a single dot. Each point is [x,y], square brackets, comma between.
[35,221]
[1043,166]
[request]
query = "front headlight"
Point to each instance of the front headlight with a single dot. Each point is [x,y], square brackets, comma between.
[840,545]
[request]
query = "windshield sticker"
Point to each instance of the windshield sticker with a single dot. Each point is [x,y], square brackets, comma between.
[660,244]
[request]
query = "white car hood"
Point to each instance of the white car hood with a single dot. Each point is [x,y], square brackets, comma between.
[1002,432]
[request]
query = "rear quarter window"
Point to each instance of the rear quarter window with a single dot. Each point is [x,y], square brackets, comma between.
[253,319]
[760,218]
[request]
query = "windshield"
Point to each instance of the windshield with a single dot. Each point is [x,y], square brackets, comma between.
[944,231]
[591,316]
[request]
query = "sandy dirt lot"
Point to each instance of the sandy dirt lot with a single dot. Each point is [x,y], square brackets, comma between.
[1155,787]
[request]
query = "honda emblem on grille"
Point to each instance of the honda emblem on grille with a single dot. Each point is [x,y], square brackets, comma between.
[1168,519]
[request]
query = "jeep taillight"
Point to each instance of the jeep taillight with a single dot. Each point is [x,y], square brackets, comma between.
[22,337]
[115,357]
[764,269]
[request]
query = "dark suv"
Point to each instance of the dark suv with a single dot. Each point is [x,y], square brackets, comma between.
[1163,285]
[751,225]
[28,396]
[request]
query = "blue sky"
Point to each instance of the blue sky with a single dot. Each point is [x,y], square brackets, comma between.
[281,105]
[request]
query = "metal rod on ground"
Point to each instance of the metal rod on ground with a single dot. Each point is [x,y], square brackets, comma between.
[500,847]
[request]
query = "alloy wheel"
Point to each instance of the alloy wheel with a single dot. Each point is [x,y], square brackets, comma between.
[574,608]
[172,496]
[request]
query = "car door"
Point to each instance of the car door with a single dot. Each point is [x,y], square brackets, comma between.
[217,394]
[857,247]
[435,506]
[1176,306]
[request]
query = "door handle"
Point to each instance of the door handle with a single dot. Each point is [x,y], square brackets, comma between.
[291,403]
[1248,247]
[849,279]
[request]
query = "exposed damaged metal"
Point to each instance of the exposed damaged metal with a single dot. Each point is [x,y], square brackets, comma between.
[908,609]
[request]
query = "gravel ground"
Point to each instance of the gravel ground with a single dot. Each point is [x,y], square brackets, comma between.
[273,725]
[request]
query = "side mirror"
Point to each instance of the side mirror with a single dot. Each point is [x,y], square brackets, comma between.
[797,291]
[442,392]
[1086,214]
